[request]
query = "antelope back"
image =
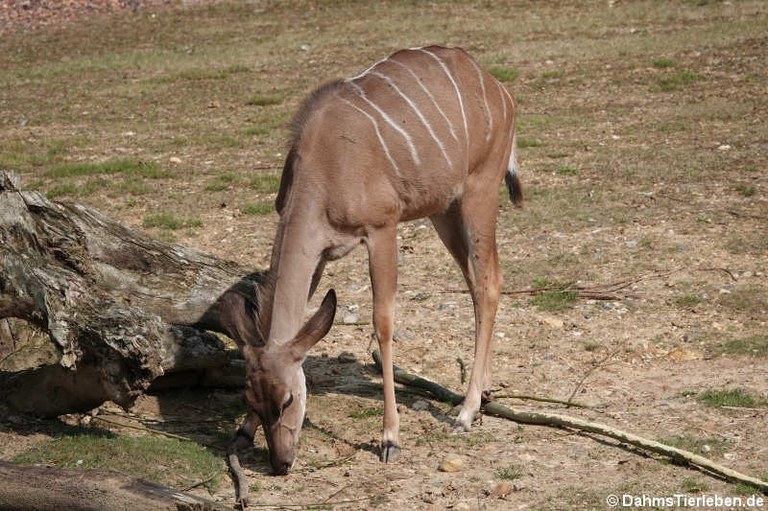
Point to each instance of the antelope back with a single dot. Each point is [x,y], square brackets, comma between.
[411,129]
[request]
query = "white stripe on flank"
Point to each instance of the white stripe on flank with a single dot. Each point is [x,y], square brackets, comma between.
[506,93]
[503,100]
[417,112]
[488,115]
[367,70]
[388,119]
[378,133]
[431,97]
[456,88]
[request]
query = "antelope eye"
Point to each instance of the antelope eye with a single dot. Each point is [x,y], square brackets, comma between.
[288,401]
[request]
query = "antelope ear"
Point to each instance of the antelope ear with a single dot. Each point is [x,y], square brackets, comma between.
[239,318]
[316,328]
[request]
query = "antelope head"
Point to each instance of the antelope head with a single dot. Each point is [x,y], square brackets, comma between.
[275,386]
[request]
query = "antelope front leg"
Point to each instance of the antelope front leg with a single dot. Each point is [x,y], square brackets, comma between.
[382,259]
[243,438]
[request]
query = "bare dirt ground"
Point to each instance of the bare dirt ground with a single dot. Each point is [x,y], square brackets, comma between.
[643,149]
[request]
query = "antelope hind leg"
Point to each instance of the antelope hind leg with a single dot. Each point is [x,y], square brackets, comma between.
[467,229]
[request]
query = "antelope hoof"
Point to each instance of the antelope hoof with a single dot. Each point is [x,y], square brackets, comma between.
[389,451]
[242,503]
[460,427]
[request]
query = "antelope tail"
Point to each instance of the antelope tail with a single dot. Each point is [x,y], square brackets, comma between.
[511,178]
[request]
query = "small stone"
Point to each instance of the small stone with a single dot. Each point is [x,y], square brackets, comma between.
[451,463]
[420,405]
[501,490]
[350,318]
[552,322]
[175,160]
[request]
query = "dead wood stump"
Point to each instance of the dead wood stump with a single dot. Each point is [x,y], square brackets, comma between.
[120,308]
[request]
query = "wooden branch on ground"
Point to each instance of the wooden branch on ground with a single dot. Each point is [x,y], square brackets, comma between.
[41,487]
[574,423]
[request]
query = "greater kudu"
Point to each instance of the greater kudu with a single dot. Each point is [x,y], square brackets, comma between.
[423,133]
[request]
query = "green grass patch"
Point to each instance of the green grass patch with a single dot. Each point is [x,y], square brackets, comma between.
[504,74]
[738,398]
[266,183]
[565,170]
[524,143]
[264,207]
[216,186]
[552,75]
[746,190]
[663,63]
[541,282]
[222,182]
[554,300]
[254,131]
[134,186]
[264,100]
[509,473]
[165,220]
[63,190]
[167,461]
[676,81]
[672,127]
[127,167]
[366,413]
[756,346]
[688,300]
[197,74]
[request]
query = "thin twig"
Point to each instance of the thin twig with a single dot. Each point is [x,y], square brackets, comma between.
[332,495]
[332,463]
[203,482]
[573,423]
[523,397]
[462,370]
[601,291]
[600,363]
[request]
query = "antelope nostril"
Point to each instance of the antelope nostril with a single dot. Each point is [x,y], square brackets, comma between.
[281,468]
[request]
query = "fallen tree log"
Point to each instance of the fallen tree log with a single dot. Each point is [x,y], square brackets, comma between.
[121,309]
[43,488]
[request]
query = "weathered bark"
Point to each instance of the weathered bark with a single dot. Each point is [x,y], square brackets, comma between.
[40,488]
[121,308]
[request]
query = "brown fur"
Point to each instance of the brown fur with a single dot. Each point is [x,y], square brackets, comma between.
[423,133]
